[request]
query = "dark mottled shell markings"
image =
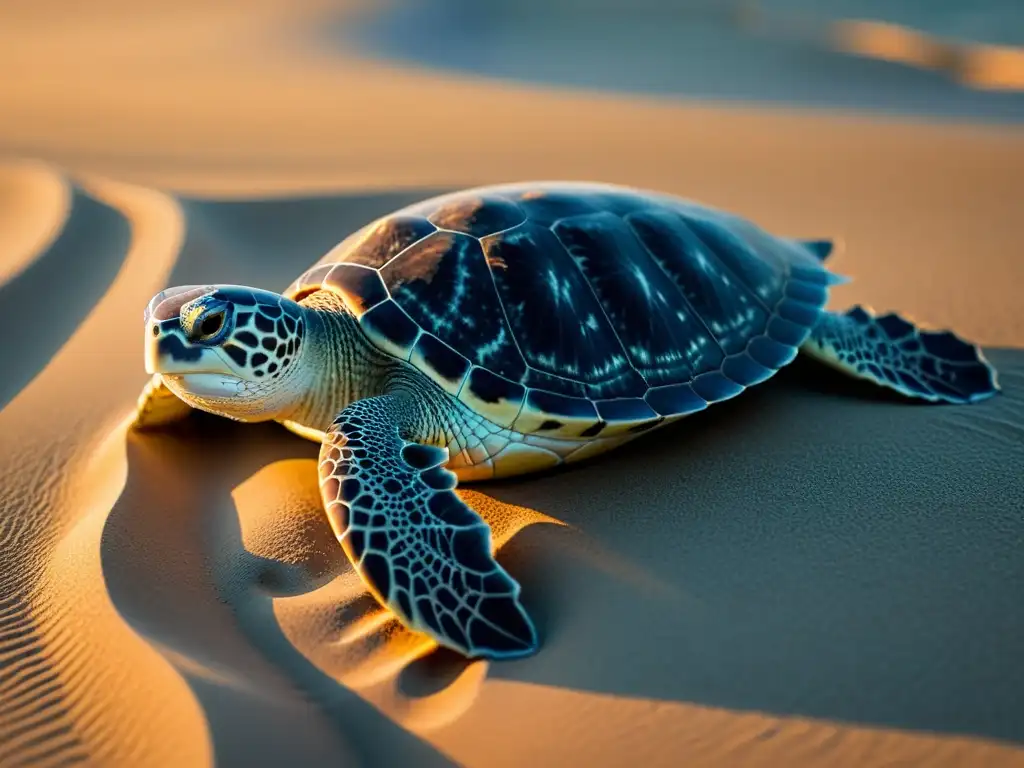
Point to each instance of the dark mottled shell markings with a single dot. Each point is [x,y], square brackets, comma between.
[381,241]
[559,323]
[577,310]
[660,338]
[361,287]
[477,216]
[390,328]
[446,366]
[444,284]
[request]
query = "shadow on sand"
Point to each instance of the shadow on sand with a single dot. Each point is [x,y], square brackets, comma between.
[836,555]
[214,607]
[810,548]
[810,564]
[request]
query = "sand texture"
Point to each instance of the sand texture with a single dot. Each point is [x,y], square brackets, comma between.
[810,575]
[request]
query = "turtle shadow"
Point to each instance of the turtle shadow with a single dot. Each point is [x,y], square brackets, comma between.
[815,547]
[830,552]
[825,380]
[209,601]
[791,552]
[186,473]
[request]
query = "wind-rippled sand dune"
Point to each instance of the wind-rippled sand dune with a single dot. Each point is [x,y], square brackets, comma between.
[809,575]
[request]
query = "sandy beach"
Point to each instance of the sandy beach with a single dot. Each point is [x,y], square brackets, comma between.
[810,575]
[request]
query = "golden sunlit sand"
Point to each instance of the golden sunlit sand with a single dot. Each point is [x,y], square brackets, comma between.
[805,576]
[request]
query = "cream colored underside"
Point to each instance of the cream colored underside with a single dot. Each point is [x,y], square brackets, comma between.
[481,450]
[510,453]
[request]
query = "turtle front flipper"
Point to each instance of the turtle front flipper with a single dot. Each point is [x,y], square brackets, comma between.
[158,406]
[937,366]
[424,554]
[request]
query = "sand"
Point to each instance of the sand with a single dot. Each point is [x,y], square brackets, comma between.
[808,575]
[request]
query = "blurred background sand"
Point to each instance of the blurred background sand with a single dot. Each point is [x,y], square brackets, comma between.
[809,575]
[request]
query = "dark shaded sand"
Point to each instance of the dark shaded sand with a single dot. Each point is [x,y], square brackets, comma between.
[811,574]
[812,548]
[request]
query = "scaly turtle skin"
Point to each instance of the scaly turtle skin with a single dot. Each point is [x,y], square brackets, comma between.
[504,330]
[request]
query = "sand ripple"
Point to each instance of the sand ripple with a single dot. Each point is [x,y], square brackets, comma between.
[34,204]
[63,689]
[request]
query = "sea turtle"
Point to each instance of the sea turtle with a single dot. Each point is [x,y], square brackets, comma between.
[503,330]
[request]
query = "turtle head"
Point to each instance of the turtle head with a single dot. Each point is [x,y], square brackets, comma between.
[229,350]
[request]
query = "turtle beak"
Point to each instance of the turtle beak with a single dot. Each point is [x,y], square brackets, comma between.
[167,348]
[168,351]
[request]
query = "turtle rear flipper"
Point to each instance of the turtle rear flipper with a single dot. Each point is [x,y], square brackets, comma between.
[937,366]
[422,551]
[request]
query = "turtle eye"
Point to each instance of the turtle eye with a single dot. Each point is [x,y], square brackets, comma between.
[211,325]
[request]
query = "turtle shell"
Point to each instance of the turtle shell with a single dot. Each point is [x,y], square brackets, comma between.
[577,310]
